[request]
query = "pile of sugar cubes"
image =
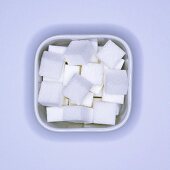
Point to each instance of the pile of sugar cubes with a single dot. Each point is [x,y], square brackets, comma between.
[83,82]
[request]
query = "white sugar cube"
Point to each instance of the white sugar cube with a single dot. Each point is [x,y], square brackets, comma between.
[50,94]
[54,114]
[54,80]
[77,88]
[113,98]
[110,54]
[94,58]
[116,82]
[106,69]
[89,119]
[51,65]
[97,90]
[99,48]
[93,72]
[79,52]
[99,94]
[49,79]
[73,113]
[57,49]
[78,114]
[105,113]
[119,64]
[95,44]
[61,79]
[88,100]
[69,72]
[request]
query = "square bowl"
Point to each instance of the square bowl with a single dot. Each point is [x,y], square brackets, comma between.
[64,40]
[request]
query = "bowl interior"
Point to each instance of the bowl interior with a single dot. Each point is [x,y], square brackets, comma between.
[41,110]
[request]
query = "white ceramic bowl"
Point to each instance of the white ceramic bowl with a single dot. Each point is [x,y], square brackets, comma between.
[40,110]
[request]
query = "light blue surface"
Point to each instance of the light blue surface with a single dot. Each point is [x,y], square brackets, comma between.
[144,143]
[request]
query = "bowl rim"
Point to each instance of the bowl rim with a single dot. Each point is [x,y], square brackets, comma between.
[130,77]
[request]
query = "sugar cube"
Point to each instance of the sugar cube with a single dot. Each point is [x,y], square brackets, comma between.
[77,88]
[113,98]
[49,79]
[88,100]
[99,48]
[51,65]
[79,114]
[99,94]
[94,58]
[97,90]
[89,117]
[93,72]
[54,114]
[79,52]
[106,69]
[110,54]
[116,82]
[119,64]
[105,113]
[95,44]
[55,80]
[69,72]
[57,49]
[50,94]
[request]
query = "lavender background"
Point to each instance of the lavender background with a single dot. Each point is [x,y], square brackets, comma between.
[143,143]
